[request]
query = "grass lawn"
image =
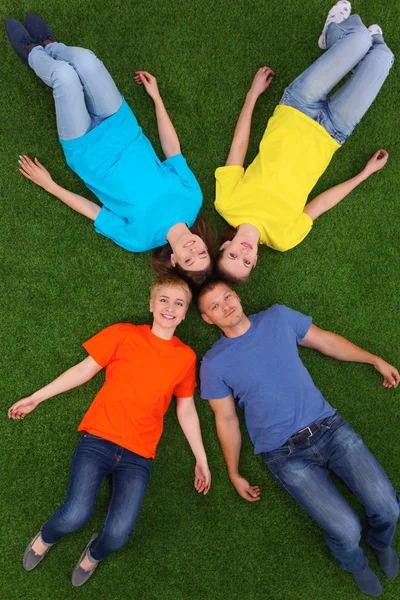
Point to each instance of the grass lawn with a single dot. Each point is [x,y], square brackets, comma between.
[61,283]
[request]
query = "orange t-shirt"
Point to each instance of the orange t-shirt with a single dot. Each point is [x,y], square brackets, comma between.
[143,371]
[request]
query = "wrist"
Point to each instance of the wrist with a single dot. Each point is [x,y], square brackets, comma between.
[234,477]
[36,398]
[252,96]
[376,361]
[51,187]
[365,173]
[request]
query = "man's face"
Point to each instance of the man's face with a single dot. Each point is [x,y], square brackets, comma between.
[221,307]
[169,306]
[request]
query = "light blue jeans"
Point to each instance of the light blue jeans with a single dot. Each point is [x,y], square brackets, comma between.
[303,470]
[83,90]
[349,46]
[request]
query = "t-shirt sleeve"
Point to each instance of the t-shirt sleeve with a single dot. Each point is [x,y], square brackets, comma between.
[178,166]
[102,346]
[114,227]
[185,388]
[212,386]
[298,323]
[297,232]
[227,179]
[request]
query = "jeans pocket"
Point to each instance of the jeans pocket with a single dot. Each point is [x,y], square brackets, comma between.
[278,454]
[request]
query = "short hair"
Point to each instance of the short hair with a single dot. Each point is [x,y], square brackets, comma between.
[208,286]
[170,281]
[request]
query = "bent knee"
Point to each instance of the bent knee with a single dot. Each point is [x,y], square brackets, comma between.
[363,38]
[64,74]
[74,519]
[347,531]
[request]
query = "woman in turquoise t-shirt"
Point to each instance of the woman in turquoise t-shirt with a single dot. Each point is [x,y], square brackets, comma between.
[147,204]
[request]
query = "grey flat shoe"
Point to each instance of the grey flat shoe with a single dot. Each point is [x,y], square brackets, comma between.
[31,558]
[79,575]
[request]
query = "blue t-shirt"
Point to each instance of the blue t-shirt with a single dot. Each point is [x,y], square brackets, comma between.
[263,370]
[142,197]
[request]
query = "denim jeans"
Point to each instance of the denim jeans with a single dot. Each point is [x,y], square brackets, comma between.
[349,46]
[303,471]
[83,90]
[94,458]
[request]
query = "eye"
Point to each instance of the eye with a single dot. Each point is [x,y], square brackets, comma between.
[179,303]
[227,296]
[202,253]
[187,261]
[232,254]
[247,263]
[214,306]
[163,299]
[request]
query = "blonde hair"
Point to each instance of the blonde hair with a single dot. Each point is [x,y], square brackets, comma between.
[170,281]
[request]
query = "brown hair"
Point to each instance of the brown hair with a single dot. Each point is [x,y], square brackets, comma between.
[161,257]
[170,281]
[208,286]
[227,234]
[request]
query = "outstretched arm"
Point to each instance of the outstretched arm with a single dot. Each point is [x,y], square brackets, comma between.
[240,142]
[230,438]
[168,136]
[77,375]
[333,196]
[36,172]
[339,347]
[189,421]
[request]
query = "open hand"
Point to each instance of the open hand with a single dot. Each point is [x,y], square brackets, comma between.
[261,80]
[35,171]
[251,493]
[149,82]
[391,377]
[23,407]
[378,161]
[202,478]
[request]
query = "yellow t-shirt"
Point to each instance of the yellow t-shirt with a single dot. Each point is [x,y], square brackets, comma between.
[294,152]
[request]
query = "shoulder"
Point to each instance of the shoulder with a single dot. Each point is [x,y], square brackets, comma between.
[186,350]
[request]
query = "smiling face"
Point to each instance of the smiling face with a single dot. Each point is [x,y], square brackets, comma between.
[239,257]
[221,306]
[169,305]
[190,253]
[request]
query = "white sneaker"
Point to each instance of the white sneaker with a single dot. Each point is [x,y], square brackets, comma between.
[375,29]
[338,13]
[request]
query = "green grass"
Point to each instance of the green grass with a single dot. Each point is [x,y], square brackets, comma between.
[61,283]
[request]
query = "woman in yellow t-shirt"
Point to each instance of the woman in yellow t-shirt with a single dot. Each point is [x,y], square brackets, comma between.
[266,204]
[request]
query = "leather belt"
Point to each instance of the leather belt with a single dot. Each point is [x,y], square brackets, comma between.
[304,434]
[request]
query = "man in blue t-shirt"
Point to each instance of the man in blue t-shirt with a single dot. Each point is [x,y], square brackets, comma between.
[302,437]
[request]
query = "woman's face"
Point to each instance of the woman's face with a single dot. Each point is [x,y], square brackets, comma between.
[190,253]
[239,256]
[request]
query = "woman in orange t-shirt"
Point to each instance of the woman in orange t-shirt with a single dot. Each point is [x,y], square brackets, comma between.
[123,425]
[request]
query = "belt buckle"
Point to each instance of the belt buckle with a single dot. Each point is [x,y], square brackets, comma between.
[310,433]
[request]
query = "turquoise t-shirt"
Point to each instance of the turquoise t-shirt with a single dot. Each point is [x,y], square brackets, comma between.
[142,197]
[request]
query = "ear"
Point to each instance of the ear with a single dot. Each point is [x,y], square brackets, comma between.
[151,305]
[173,261]
[225,245]
[206,319]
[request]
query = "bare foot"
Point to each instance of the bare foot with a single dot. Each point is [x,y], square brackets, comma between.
[87,564]
[39,546]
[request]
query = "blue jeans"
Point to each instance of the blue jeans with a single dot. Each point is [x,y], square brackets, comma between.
[303,471]
[83,90]
[94,458]
[349,46]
